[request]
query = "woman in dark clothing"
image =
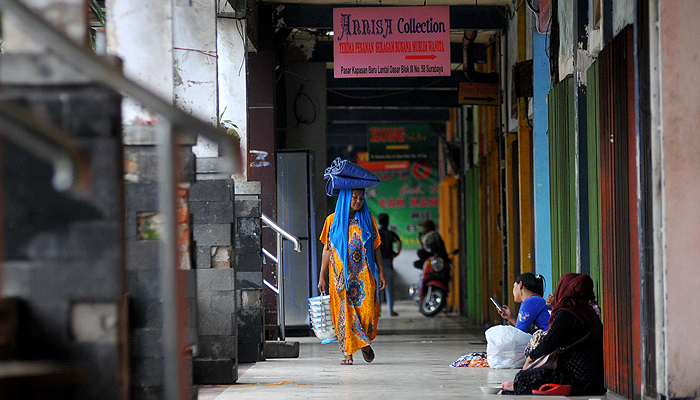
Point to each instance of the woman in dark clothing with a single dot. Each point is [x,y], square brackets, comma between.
[580,366]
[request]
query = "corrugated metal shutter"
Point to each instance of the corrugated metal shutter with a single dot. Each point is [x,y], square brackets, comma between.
[475,283]
[593,115]
[619,255]
[562,159]
[492,235]
[448,220]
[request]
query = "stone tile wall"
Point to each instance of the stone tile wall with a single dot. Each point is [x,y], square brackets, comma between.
[248,264]
[143,266]
[211,204]
[64,251]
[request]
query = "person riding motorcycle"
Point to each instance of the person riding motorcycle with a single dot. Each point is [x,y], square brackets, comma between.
[431,244]
[433,284]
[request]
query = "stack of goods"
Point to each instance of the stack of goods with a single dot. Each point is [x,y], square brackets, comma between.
[344,174]
[321,320]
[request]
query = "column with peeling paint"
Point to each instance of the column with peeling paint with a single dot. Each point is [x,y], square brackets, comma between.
[143,35]
[195,63]
[233,66]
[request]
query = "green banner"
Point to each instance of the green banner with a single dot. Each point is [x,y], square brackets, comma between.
[399,142]
[408,196]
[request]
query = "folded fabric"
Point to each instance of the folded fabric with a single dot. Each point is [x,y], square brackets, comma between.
[475,359]
[343,174]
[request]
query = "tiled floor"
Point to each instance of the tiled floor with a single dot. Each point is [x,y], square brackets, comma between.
[413,357]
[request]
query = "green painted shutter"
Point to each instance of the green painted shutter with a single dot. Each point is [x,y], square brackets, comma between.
[475,282]
[562,165]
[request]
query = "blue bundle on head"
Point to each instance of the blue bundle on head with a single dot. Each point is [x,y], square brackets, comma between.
[343,174]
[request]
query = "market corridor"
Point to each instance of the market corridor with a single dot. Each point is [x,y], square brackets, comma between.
[413,357]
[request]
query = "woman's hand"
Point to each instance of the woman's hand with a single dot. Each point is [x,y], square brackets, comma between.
[382,281]
[507,385]
[528,361]
[325,260]
[506,313]
[322,284]
[380,265]
[550,300]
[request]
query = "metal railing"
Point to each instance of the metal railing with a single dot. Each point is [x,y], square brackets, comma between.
[176,122]
[279,289]
[46,142]
[103,72]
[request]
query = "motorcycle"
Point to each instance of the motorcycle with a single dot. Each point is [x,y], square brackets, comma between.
[430,292]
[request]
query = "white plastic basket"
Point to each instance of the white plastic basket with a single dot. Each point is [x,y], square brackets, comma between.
[321,319]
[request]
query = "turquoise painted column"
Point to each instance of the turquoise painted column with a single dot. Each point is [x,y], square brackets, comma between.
[540,144]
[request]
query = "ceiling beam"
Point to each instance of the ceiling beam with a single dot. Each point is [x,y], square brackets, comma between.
[314,16]
[345,115]
[361,128]
[410,92]
[422,98]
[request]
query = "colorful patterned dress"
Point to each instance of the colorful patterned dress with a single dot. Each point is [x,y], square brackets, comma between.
[355,311]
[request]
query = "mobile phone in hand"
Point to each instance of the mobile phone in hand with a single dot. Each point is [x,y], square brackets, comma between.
[495,303]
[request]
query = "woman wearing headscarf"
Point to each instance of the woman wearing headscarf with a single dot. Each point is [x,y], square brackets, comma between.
[573,323]
[351,265]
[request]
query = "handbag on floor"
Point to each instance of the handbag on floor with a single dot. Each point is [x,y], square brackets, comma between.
[549,361]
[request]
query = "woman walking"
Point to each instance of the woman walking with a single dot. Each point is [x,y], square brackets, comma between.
[351,265]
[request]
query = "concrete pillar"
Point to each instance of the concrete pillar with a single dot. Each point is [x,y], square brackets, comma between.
[233,72]
[195,65]
[211,204]
[263,143]
[141,34]
[68,16]
[679,108]
[249,272]
[63,252]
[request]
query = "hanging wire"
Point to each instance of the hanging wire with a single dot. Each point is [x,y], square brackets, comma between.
[239,23]
[297,114]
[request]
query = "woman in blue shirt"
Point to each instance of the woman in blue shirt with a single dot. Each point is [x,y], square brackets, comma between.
[534,312]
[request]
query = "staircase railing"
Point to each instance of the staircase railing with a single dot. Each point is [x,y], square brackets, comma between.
[279,289]
[46,142]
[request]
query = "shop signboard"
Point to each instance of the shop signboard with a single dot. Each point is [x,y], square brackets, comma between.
[408,193]
[391,41]
[485,94]
[407,142]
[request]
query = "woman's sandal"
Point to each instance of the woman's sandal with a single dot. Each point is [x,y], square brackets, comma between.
[347,361]
[367,354]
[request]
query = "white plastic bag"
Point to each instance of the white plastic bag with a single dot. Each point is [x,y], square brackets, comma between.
[321,318]
[505,345]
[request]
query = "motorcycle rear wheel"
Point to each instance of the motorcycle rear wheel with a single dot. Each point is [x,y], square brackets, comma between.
[433,302]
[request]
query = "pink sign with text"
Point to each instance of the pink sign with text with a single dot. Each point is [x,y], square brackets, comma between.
[391,41]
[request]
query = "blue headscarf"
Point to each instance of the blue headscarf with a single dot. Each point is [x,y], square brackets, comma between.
[340,228]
